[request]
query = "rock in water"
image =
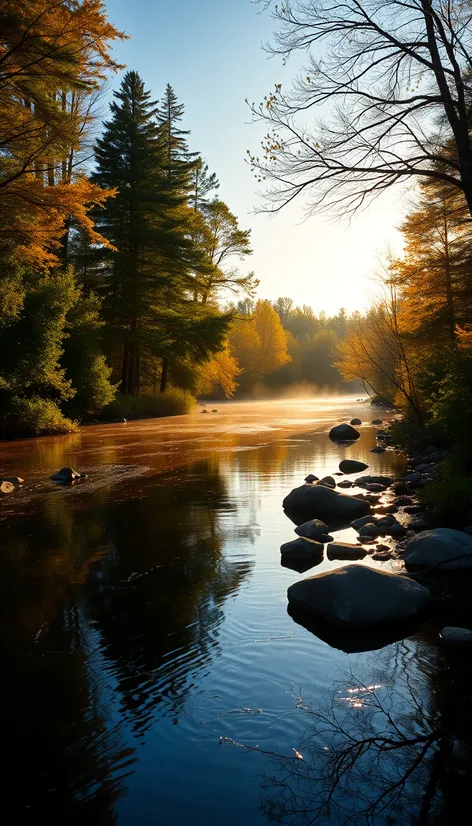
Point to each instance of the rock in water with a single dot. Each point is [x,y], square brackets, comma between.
[377,450]
[6,488]
[356,421]
[344,550]
[66,475]
[311,478]
[318,502]
[301,549]
[328,482]
[377,421]
[356,596]
[352,466]
[345,483]
[343,433]
[436,547]
[312,529]
[16,481]
[459,637]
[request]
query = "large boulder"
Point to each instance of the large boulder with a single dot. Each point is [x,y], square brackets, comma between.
[356,596]
[343,433]
[318,502]
[448,549]
[352,466]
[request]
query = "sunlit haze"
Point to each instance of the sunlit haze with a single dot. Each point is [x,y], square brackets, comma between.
[210,51]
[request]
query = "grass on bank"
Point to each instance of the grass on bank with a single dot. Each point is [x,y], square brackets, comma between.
[173,402]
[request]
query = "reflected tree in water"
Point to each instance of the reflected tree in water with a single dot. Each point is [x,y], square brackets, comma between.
[375,755]
[105,613]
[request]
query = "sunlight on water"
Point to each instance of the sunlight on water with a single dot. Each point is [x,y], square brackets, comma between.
[143,615]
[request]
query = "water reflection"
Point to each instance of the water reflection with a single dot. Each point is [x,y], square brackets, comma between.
[106,614]
[375,753]
[143,616]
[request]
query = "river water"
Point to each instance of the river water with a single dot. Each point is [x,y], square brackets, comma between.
[151,673]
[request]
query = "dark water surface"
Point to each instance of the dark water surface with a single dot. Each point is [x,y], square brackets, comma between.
[151,673]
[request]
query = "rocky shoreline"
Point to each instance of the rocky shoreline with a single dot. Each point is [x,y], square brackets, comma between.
[392,524]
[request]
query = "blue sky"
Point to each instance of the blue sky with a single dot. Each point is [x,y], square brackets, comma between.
[210,51]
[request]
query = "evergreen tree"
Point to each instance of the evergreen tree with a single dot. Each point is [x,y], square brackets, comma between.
[146,281]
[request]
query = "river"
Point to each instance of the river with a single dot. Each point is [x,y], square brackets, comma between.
[151,672]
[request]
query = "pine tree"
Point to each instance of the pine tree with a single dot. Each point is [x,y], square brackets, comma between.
[146,282]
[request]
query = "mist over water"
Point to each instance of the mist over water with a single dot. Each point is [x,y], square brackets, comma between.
[144,625]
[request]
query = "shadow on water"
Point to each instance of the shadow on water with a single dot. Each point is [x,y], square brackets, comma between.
[105,615]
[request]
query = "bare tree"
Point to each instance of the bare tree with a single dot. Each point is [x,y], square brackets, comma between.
[393,76]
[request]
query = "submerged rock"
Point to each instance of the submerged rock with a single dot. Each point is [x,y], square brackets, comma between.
[319,502]
[352,466]
[377,450]
[356,596]
[343,433]
[363,481]
[445,548]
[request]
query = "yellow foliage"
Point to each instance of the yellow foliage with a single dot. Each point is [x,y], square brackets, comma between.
[219,371]
[259,343]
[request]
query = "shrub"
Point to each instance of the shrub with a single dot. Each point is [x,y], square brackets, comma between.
[451,500]
[174,402]
[34,417]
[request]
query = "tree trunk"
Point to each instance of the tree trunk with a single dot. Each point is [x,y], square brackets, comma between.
[164,374]
[125,370]
[447,271]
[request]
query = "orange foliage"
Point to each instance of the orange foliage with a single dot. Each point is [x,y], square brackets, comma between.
[54,57]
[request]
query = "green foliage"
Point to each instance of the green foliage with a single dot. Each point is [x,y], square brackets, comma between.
[32,343]
[174,402]
[33,416]
[84,361]
[450,499]
[447,385]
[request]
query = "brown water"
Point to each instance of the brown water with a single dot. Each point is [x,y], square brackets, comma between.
[151,673]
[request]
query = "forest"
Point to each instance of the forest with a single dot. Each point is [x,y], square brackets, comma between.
[124,286]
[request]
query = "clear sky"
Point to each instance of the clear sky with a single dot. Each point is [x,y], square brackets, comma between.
[210,51]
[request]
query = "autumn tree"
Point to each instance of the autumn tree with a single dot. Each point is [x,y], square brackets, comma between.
[376,353]
[433,273]
[53,59]
[258,343]
[394,80]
